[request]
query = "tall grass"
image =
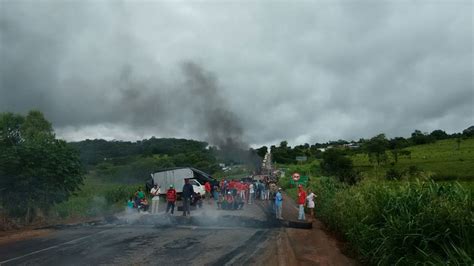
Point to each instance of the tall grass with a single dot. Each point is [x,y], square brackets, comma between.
[401,222]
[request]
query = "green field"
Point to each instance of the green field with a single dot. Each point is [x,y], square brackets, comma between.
[443,160]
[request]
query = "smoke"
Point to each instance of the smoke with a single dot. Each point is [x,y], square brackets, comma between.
[81,77]
[222,127]
[208,216]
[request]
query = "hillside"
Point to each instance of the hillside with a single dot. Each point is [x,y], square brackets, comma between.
[442,158]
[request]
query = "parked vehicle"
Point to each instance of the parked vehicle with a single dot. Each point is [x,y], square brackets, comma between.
[176,176]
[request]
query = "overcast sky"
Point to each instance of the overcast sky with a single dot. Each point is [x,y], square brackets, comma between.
[302,71]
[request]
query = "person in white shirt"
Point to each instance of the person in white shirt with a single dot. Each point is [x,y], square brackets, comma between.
[310,200]
[252,193]
[155,201]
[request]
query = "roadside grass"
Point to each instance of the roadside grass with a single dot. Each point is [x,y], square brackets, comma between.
[442,159]
[96,198]
[402,222]
[399,222]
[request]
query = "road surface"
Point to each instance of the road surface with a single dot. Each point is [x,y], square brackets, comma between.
[208,237]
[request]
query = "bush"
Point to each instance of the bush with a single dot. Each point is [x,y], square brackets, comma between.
[403,222]
[413,170]
[119,194]
[393,174]
[337,164]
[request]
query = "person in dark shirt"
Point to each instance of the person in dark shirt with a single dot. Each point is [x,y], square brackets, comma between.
[197,200]
[238,202]
[188,192]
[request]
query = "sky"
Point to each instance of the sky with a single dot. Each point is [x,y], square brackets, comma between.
[249,72]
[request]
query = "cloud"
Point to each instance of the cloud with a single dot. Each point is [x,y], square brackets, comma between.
[260,72]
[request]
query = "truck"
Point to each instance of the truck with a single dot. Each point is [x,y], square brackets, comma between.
[175,176]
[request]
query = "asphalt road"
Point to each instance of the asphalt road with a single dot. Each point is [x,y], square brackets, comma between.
[208,237]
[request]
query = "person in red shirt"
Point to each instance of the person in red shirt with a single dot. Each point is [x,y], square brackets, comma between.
[207,187]
[301,202]
[171,199]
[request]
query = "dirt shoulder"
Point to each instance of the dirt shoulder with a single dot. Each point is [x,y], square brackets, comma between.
[310,246]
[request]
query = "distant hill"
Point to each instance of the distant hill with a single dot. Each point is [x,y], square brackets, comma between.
[97,150]
[468,131]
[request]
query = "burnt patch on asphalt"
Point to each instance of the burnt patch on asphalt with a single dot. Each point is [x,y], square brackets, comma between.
[183,243]
[249,247]
[76,225]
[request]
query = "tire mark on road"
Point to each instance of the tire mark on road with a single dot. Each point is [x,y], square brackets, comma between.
[249,246]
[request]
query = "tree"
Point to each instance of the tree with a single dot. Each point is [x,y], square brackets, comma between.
[439,134]
[376,148]
[468,132]
[337,164]
[396,145]
[418,138]
[36,169]
[262,151]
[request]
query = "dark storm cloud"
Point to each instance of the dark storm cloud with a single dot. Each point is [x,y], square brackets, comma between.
[239,72]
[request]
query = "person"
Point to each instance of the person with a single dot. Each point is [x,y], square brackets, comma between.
[220,202]
[241,187]
[215,194]
[221,186]
[170,199]
[144,204]
[267,191]
[140,194]
[301,202]
[257,189]
[251,193]
[207,187]
[136,201]
[229,201]
[273,190]
[226,187]
[155,201]
[238,203]
[278,204]
[197,200]
[310,200]
[187,193]
[130,203]
[246,188]
[262,191]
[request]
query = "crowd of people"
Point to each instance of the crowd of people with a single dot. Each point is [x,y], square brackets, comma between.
[227,195]
[234,194]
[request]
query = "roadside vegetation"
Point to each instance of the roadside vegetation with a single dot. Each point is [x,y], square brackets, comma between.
[396,201]
[95,199]
[47,180]
[401,223]
[37,170]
